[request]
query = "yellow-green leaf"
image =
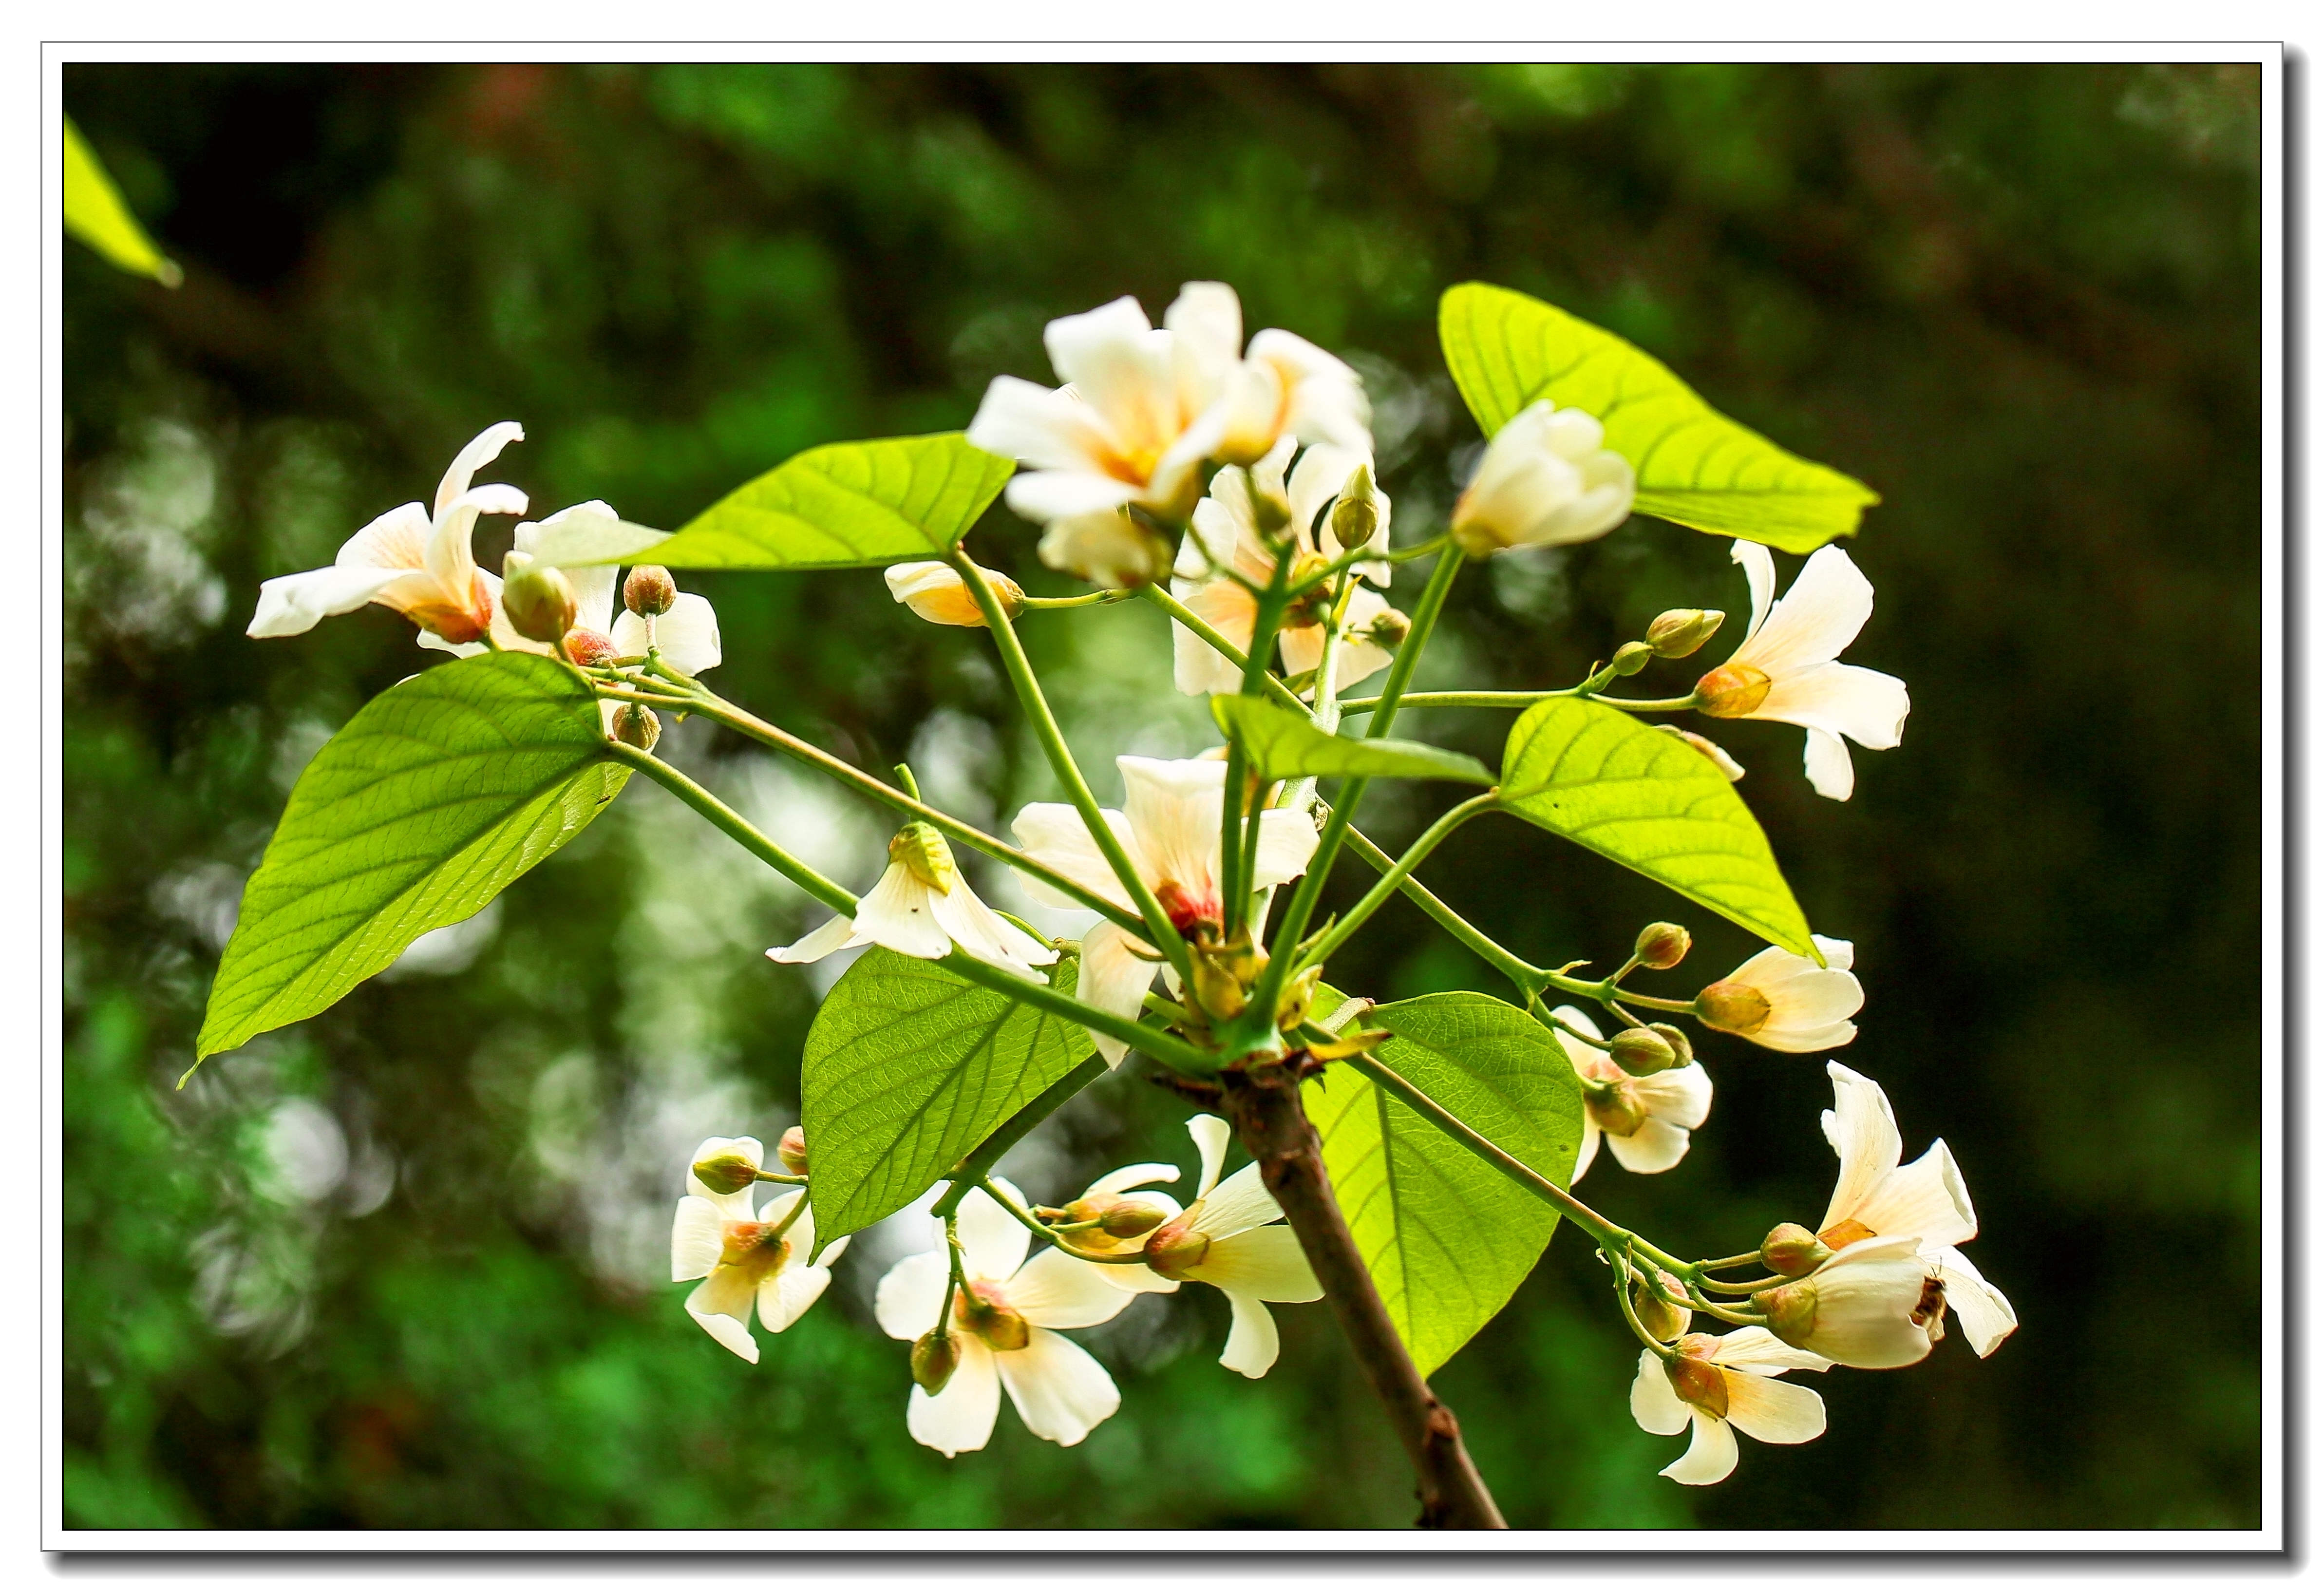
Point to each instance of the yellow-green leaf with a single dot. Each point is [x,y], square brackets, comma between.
[1696,466]
[96,215]
[1282,745]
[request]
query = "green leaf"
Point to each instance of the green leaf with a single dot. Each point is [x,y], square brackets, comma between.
[1446,1237]
[844,505]
[424,807]
[907,1068]
[1652,803]
[1696,466]
[96,214]
[1281,745]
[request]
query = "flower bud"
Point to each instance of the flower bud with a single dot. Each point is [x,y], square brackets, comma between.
[1790,1250]
[1126,1219]
[935,592]
[791,1150]
[1656,1316]
[1693,1378]
[1298,999]
[1675,1038]
[538,599]
[1388,628]
[1217,991]
[1731,691]
[1632,657]
[1544,481]
[649,591]
[1678,632]
[635,726]
[995,1323]
[925,856]
[935,1356]
[1662,945]
[726,1172]
[1176,1250]
[1641,1051]
[587,648]
[1737,1007]
[1356,516]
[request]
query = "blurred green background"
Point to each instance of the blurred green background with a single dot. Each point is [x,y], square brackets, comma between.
[403,1265]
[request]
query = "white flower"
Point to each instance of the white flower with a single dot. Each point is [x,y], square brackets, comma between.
[1225,535]
[1877,1303]
[1170,831]
[1927,1200]
[1781,1000]
[1232,1238]
[1003,1325]
[935,591]
[1107,549]
[1544,481]
[1723,1385]
[1786,668]
[1144,407]
[421,566]
[923,907]
[1645,1121]
[745,1257]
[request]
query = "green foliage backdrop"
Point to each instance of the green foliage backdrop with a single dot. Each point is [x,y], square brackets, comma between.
[395,1267]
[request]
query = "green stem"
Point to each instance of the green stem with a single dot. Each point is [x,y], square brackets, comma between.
[1621,1269]
[1276,691]
[1519,973]
[835,896]
[1646,705]
[764,1176]
[1167,1049]
[1233,887]
[1057,1238]
[1523,699]
[975,1166]
[1397,873]
[1111,594]
[1160,930]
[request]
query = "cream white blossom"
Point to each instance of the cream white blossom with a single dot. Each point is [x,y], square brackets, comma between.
[1144,407]
[923,907]
[1004,1327]
[1722,1385]
[1877,1303]
[1225,536]
[748,1259]
[1169,828]
[1927,1200]
[1787,668]
[422,565]
[1781,1000]
[934,590]
[1232,1238]
[1545,480]
[1645,1121]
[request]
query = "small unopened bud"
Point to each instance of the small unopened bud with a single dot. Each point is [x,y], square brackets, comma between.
[1125,1220]
[791,1150]
[649,591]
[1731,691]
[1682,1048]
[1388,628]
[586,647]
[1176,1250]
[726,1172]
[1739,1008]
[1790,1310]
[1298,999]
[1657,1315]
[1641,1051]
[935,592]
[1678,632]
[1692,1377]
[635,726]
[1356,516]
[1662,945]
[1632,657]
[1000,1327]
[935,1356]
[925,856]
[1790,1250]
[1216,990]
[538,599]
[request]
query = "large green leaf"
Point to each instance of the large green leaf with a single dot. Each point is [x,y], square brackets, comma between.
[96,214]
[1696,466]
[909,1067]
[1282,745]
[1446,1237]
[1652,803]
[840,506]
[423,809]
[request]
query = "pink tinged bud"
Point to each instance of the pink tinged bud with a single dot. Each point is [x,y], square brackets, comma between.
[538,600]
[1792,1251]
[1656,1316]
[1125,1220]
[1738,1009]
[791,1150]
[1733,691]
[981,1310]
[636,725]
[1641,1051]
[588,648]
[649,591]
[1175,1251]
[1694,1379]
[1662,945]
[726,1173]
[935,1356]
[1676,633]
[1682,1048]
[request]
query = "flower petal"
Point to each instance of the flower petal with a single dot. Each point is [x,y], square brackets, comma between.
[1287,841]
[687,637]
[1133,1175]
[1773,1412]
[1821,613]
[1657,1147]
[1253,1343]
[736,1206]
[1172,808]
[1984,1311]
[1048,429]
[1679,1095]
[1710,1458]
[985,934]
[960,1418]
[482,450]
[911,1294]
[899,913]
[1240,1201]
[1755,1349]
[784,1298]
[1653,1402]
[1928,1199]
[1759,571]
[291,605]
[1862,1128]
[1831,772]
[993,1242]
[728,1331]
[1113,978]
[1211,1137]
[1198,669]
[697,1232]
[1265,1263]
[1047,496]
[1054,833]
[1588,1152]
[1055,1290]
[1057,1387]
[819,944]
[1864,705]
